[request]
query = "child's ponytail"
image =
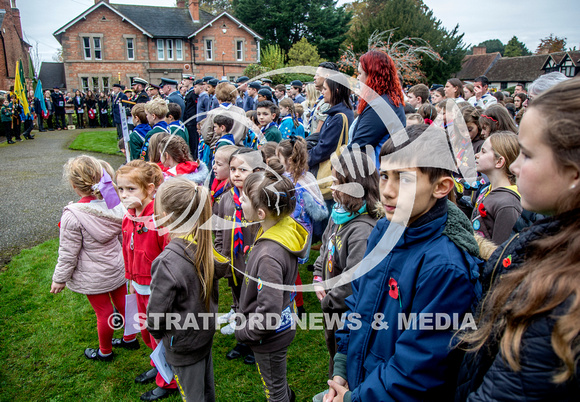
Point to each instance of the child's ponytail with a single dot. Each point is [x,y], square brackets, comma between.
[272,192]
[290,105]
[295,152]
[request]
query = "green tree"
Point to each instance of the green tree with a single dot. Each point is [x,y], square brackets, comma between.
[215,7]
[551,44]
[303,53]
[515,48]
[413,19]
[491,46]
[285,22]
[272,57]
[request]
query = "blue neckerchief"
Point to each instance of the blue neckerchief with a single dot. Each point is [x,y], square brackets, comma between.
[225,105]
[163,124]
[340,216]
[263,129]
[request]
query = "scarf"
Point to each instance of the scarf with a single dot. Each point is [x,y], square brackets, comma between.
[340,216]
[265,128]
[217,188]
[238,243]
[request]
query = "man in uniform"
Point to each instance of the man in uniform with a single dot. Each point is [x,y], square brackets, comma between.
[118,97]
[139,85]
[153,91]
[190,111]
[172,95]
[58,102]
[295,91]
[203,102]
[211,85]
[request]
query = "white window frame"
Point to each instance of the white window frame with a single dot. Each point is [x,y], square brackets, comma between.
[98,50]
[239,50]
[178,49]
[160,49]
[170,49]
[209,49]
[87,48]
[85,84]
[131,48]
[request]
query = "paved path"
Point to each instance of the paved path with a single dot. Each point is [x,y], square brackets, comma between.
[32,191]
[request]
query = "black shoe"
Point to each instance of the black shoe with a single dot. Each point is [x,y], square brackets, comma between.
[10,142]
[29,137]
[51,129]
[93,354]
[42,131]
[146,377]
[301,312]
[120,343]
[240,350]
[157,393]
[292,396]
[250,359]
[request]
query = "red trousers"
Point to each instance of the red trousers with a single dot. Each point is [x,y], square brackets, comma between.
[142,301]
[104,310]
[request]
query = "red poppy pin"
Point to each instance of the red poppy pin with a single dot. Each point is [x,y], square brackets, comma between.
[507,261]
[394,291]
[482,210]
[393,288]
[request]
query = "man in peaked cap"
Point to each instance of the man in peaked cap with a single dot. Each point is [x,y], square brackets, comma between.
[267,82]
[153,91]
[118,97]
[211,85]
[295,91]
[191,110]
[253,88]
[242,98]
[139,85]
[172,95]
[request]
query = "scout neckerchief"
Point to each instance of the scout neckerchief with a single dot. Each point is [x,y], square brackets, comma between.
[217,188]
[264,129]
[145,148]
[238,242]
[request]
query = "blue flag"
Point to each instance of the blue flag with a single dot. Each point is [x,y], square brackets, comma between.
[39,94]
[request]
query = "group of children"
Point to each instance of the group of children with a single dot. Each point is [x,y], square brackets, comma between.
[421,259]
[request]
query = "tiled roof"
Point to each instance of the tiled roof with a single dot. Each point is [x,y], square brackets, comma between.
[52,75]
[514,69]
[166,22]
[474,66]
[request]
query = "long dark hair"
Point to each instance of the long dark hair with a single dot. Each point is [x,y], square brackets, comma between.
[339,93]
[549,276]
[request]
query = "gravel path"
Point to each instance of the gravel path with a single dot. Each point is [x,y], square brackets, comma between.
[32,192]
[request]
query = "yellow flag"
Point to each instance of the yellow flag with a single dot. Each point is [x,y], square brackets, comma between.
[20,87]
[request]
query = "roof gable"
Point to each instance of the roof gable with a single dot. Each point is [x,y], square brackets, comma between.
[239,23]
[93,8]
[52,75]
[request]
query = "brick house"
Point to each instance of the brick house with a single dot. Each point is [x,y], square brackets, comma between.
[12,45]
[110,43]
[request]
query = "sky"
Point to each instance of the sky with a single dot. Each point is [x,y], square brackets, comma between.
[529,20]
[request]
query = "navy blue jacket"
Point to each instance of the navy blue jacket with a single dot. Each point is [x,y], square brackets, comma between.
[117,98]
[370,129]
[203,106]
[426,273]
[329,134]
[175,97]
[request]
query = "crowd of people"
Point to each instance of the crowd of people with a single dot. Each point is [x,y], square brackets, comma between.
[241,180]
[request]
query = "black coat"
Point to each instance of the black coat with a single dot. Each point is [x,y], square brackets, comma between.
[486,375]
[58,101]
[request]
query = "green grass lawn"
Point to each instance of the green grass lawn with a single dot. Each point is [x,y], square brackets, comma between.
[96,141]
[43,336]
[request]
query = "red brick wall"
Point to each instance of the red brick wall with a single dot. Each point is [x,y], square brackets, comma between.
[11,47]
[114,53]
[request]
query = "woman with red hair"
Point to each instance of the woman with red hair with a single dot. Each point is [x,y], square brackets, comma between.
[377,71]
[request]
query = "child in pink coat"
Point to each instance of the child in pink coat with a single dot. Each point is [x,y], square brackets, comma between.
[90,257]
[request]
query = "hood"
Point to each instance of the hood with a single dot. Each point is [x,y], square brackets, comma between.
[221,263]
[459,230]
[183,168]
[289,234]
[102,223]
[508,189]
[198,175]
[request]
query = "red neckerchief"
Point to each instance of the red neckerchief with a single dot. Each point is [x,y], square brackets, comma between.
[217,188]
[238,234]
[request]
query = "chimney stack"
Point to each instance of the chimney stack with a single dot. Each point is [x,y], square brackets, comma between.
[99,1]
[194,10]
[479,50]
[180,3]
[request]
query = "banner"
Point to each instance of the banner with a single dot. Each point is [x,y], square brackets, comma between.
[20,87]
[125,128]
[39,94]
